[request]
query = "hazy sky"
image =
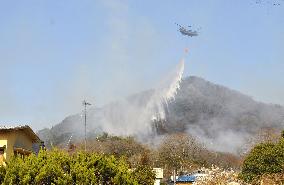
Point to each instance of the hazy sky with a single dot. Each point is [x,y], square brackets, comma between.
[55,53]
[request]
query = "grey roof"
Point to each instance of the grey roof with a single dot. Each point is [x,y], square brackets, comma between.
[27,129]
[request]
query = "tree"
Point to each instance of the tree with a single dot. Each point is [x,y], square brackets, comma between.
[2,173]
[264,158]
[180,150]
[46,168]
[144,175]
[58,167]
[133,151]
[264,135]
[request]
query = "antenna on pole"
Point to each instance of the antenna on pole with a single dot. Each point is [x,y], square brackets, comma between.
[85,103]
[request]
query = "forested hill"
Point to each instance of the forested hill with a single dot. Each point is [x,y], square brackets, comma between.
[222,118]
[217,115]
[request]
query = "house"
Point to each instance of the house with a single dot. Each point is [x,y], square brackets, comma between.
[185,180]
[16,140]
[159,175]
[191,178]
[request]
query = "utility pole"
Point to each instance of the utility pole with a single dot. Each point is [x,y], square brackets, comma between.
[174,177]
[85,103]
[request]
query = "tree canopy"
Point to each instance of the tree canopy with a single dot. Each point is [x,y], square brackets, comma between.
[264,158]
[58,167]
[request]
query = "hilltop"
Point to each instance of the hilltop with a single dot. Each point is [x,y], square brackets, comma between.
[222,118]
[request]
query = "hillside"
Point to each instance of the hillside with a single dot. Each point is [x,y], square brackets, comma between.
[218,116]
[221,118]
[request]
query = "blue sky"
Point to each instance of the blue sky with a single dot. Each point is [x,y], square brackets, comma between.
[54,53]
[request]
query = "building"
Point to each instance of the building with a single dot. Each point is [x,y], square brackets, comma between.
[159,175]
[16,140]
[191,178]
[185,180]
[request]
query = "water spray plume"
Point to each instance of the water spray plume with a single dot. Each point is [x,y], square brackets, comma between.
[135,117]
[166,93]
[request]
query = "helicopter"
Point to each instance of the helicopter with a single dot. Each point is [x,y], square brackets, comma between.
[187,32]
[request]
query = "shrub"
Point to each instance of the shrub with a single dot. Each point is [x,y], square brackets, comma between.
[264,158]
[2,174]
[58,167]
[144,175]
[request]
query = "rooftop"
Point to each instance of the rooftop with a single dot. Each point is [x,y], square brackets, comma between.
[24,128]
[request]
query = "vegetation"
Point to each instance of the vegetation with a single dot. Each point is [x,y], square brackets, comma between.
[144,175]
[58,167]
[179,152]
[218,176]
[199,106]
[264,160]
[134,152]
[124,160]
[277,178]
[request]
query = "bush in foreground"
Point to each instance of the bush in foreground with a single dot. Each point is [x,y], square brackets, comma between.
[58,167]
[264,159]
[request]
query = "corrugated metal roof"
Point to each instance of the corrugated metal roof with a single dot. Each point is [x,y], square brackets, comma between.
[186,178]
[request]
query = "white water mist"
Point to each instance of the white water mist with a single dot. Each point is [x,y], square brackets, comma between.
[135,116]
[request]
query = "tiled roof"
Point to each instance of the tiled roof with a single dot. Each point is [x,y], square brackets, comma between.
[24,128]
[3,127]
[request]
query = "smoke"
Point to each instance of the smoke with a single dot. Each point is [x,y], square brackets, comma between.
[222,119]
[46,72]
[215,136]
[134,115]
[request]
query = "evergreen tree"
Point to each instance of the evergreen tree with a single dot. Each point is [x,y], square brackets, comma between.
[264,158]
[58,167]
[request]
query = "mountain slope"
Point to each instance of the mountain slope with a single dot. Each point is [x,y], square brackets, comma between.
[221,118]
